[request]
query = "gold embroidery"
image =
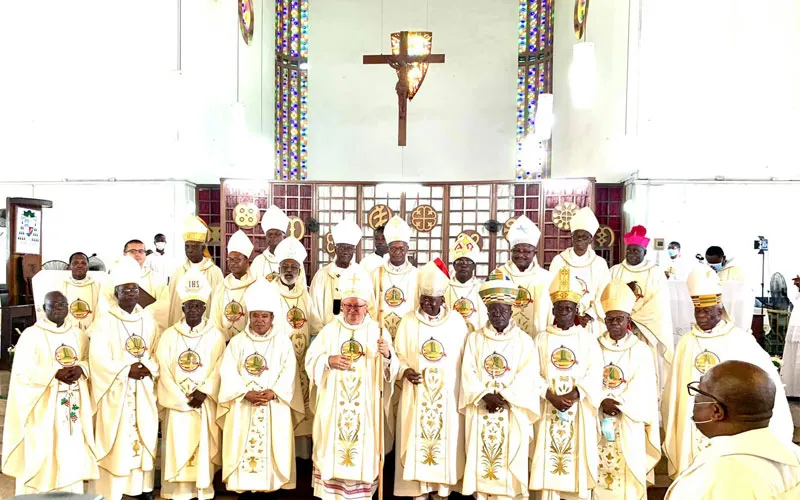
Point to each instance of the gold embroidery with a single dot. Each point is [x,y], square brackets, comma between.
[349,421]
[431,418]
[391,322]
[561,434]
[493,439]
[611,463]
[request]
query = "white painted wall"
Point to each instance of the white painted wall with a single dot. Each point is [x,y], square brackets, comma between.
[711,90]
[99,217]
[461,124]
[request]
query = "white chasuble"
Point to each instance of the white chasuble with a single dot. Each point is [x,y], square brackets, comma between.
[652,315]
[346,441]
[293,318]
[83,297]
[498,444]
[533,306]
[696,353]
[126,418]
[213,275]
[258,442]
[395,294]
[326,297]
[229,313]
[188,360]
[629,378]
[266,265]
[464,299]
[565,458]
[430,429]
[48,440]
[592,273]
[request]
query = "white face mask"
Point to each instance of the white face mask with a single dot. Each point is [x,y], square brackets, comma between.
[161,245]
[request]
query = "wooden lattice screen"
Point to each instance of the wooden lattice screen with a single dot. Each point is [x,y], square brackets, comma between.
[460,207]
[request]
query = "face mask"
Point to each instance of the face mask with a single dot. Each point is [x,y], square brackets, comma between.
[716,267]
[563,416]
[160,245]
[702,421]
[607,428]
[672,252]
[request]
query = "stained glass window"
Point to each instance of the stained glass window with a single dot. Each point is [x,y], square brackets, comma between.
[534,77]
[291,89]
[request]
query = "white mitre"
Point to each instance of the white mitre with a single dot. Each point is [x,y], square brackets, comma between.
[194,286]
[291,249]
[126,271]
[240,243]
[355,282]
[397,230]
[262,296]
[432,280]
[346,232]
[584,219]
[523,230]
[274,218]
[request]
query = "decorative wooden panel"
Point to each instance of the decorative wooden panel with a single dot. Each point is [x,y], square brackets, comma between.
[372,195]
[426,245]
[235,191]
[470,206]
[608,208]
[556,192]
[334,203]
[208,208]
[297,200]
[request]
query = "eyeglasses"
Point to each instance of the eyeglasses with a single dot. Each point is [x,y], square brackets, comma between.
[140,251]
[352,308]
[693,388]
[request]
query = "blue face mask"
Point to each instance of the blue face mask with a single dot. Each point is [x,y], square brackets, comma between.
[716,267]
[672,252]
[564,416]
[607,428]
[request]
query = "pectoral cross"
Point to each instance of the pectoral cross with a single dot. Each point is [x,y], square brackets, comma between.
[403,62]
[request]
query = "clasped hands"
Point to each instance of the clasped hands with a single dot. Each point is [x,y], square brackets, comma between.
[610,407]
[564,402]
[69,375]
[196,399]
[138,371]
[494,402]
[339,362]
[260,398]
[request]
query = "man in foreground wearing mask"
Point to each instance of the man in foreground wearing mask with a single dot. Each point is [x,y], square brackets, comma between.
[498,398]
[678,268]
[629,444]
[733,404]
[565,459]
[712,340]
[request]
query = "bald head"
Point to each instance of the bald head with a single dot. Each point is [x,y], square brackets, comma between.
[746,390]
[56,307]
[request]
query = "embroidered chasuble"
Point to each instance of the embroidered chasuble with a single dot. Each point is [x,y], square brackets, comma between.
[395,294]
[207,268]
[293,316]
[48,440]
[533,306]
[188,360]
[229,313]
[83,297]
[346,442]
[629,378]
[497,444]
[266,265]
[592,273]
[326,297]
[126,415]
[696,353]
[565,457]
[464,299]
[258,442]
[651,316]
[430,429]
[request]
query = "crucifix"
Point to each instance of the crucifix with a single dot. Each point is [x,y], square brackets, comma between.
[411,54]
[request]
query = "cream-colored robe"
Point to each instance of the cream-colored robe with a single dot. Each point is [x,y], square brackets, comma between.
[265,265]
[152,283]
[533,307]
[83,297]
[191,435]
[753,465]
[126,415]
[386,279]
[498,444]
[592,273]
[324,290]
[293,319]
[229,313]
[565,458]
[347,445]
[430,429]
[213,275]
[696,353]
[48,441]
[258,441]
[629,378]
[464,299]
[373,261]
[651,315]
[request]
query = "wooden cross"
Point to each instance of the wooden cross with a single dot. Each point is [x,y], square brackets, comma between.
[401,63]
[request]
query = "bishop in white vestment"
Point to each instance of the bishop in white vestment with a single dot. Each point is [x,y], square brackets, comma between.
[462,295]
[713,339]
[274,223]
[257,399]
[188,355]
[292,316]
[228,313]
[123,388]
[499,398]
[48,440]
[430,429]
[652,315]
[565,460]
[195,236]
[326,295]
[352,367]
[532,306]
[629,444]
[587,267]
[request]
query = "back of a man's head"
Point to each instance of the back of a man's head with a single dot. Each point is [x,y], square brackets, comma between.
[746,390]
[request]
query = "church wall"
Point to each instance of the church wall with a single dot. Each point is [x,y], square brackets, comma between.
[99,217]
[728,214]
[461,124]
